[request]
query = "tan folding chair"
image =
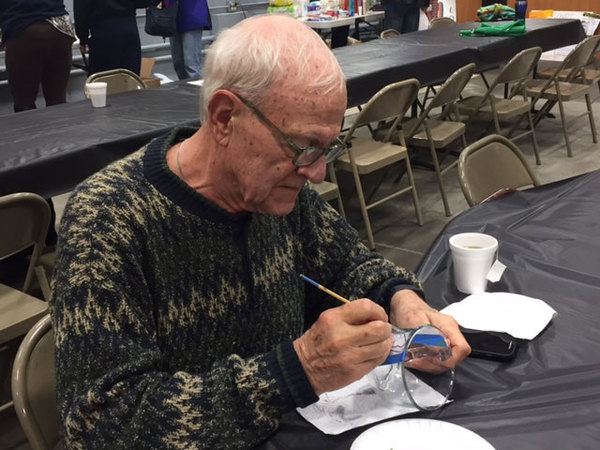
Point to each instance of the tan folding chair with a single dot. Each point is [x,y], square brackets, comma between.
[490,165]
[24,220]
[583,75]
[439,22]
[438,133]
[390,32]
[554,91]
[517,71]
[34,387]
[118,80]
[366,155]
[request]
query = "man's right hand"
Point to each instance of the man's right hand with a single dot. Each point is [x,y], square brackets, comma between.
[344,344]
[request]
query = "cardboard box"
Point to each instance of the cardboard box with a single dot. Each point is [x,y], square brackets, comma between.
[146,72]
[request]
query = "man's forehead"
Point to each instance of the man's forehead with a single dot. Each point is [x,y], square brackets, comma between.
[301,97]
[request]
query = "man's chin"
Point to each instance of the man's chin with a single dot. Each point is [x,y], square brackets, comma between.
[280,209]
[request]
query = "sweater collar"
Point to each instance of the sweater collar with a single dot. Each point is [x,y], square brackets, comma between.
[158,173]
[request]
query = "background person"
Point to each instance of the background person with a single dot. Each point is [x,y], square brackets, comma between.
[178,266]
[193,16]
[108,31]
[38,36]
[403,15]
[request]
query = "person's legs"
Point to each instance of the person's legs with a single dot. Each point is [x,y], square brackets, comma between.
[176,44]
[114,44]
[131,55]
[24,68]
[394,16]
[192,53]
[58,51]
[411,19]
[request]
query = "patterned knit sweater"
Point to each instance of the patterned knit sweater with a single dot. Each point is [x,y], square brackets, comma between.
[174,319]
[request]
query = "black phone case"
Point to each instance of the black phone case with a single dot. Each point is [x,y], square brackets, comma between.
[493,345]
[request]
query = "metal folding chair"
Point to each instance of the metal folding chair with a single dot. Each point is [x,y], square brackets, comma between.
[490,165]
[367,155]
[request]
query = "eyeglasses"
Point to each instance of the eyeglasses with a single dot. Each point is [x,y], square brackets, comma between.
[305,155]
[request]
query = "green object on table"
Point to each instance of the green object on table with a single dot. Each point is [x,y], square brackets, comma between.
[496,11]
[516,28]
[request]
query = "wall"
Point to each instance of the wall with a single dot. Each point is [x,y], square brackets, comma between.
[466,10]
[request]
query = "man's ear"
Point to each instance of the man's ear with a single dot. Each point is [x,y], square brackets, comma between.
[221,108]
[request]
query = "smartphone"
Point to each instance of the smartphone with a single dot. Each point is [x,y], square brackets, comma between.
[492,345]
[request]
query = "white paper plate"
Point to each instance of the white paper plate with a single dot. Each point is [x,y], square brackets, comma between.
[422,434]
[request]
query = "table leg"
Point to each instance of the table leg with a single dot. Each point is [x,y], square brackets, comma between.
[339,36]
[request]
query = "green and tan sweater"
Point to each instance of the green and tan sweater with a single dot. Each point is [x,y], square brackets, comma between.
[174,319]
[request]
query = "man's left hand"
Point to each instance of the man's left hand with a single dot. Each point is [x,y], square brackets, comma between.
[408,310]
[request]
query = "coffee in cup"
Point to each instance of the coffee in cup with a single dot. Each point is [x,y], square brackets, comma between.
[472,257]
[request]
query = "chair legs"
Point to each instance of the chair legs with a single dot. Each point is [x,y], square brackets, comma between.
[588,102]
[364,207]
[438,173]
[415,196]
[533,139]
[561,108]
[333,177]
[530,132]
[550,104]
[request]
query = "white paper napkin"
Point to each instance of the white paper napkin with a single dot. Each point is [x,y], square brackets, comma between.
[358,404]
[518,315]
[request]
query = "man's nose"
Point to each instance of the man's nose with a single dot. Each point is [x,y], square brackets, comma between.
[315,172]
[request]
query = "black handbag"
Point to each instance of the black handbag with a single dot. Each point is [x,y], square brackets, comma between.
[161,20]
[145,3]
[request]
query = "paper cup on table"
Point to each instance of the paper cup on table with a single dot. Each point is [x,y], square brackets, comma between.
[96,92]
[472,257]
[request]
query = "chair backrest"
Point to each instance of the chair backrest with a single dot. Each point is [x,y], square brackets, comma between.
[574,63]
[118,80]
[439,22]
[582,55]
[389,104]
[24,221]
[390,32]
[490,164]
[34,386]
[447,94]
[519,67]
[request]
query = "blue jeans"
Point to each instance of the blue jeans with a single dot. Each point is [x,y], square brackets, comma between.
[186,52]
[402,17]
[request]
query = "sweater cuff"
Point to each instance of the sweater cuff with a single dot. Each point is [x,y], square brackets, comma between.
[294,375]
[399,287]
[410,287]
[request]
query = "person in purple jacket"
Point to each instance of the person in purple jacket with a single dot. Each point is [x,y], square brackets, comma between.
[186,46]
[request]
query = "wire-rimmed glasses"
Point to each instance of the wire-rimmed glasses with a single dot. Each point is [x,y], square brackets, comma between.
[305,156]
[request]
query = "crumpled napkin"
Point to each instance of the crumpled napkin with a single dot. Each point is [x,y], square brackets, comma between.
[518,315]
[358,404]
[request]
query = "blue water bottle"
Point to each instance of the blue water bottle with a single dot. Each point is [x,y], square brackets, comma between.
[520,9]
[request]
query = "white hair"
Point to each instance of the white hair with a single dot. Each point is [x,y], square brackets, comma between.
[268,51]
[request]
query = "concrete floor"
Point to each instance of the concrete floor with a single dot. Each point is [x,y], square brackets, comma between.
[397,234]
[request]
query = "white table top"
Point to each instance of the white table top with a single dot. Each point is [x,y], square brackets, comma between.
[333,23]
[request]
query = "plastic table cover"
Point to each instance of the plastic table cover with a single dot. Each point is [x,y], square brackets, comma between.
[50,150]
[548,397]
[433,55]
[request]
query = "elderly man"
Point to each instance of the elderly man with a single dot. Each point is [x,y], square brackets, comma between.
[179,314]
